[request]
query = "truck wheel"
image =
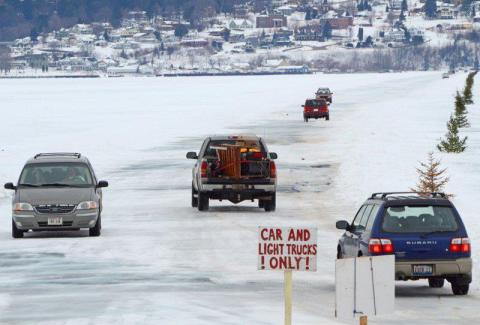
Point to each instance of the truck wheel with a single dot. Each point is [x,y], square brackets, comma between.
[270,205]
[328,117]
[460,289]
[261,204]
[436,282]
[96,231]
[194,199]
[203,201]
[16,233]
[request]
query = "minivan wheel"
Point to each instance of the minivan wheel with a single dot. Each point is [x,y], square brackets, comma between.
[328,117]
[203,201]
[270,205]
[96,231]
[16,233]
[460,289]
[305,119]
[436,282]
[194,199]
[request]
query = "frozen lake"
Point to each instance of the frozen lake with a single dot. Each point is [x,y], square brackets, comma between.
[160,261]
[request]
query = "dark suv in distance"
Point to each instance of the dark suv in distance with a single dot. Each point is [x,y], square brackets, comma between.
[423,230]
[57,191]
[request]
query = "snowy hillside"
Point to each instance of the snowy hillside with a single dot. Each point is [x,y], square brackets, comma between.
[159,261]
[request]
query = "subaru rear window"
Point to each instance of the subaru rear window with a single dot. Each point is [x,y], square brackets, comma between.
[419,219]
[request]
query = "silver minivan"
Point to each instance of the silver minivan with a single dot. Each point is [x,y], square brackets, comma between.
[57,191]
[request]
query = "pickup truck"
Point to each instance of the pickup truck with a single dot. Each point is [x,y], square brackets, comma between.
[234,168]
[324,93]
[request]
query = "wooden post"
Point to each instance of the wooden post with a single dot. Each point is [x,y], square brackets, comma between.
[288,296]
[363,320]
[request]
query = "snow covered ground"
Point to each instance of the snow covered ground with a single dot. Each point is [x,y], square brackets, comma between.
[160,261]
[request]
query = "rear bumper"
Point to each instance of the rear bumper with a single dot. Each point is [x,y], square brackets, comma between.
[244,186]
[238,190]
[76,220]
[315,115]
[461,267]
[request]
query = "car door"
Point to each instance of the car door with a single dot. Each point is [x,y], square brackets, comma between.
[196,167]
[348,241]
[358,230]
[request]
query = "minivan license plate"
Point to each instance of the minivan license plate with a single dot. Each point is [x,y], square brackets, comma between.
[55,221]
[422,269]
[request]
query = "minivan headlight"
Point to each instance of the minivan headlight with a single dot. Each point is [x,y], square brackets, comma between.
[87,205]
[17,207]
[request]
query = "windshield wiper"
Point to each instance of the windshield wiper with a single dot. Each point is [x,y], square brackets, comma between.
[56,184]
[27,184]
[425,234]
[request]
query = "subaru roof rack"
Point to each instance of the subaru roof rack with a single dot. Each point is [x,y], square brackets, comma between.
[385,195]
[57,154]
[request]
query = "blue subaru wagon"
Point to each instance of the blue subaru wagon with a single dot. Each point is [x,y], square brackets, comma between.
[424,232]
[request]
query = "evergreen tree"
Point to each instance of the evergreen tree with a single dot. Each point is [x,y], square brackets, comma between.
[181,30]
[34,35]
[476,64]
[106,37]
[402,16]
[431,178]
[466,6]
[460,112]
[360,34]
[431,8]
[387,9]
[308,14]
[360,6]
[467,91]
[327,30]
[453,143]
[404,5]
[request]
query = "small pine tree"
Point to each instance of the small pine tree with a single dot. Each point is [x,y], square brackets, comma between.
[452,143]
[467,91]
[431,178]
[431,8]
[402,16]
[404,5]
[460,112]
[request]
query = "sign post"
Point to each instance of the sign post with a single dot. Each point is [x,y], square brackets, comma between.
[287,249]
[287,288]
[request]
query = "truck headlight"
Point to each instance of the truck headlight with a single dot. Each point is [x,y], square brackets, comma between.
[87,205]
[18,207]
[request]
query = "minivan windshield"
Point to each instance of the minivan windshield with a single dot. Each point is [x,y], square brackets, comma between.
[419,219]
[56,174]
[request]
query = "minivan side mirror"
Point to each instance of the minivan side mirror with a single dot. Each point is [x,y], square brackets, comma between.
[303,105]
[273,155]
[192,155]
[342,225]
[10,186]
[102,184]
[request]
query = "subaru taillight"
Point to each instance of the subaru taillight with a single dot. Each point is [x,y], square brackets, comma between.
[380,246]
[460,245]
[273,169]
[203,169]
[375,246]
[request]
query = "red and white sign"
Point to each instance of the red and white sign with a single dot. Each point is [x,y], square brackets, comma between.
[287,249]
